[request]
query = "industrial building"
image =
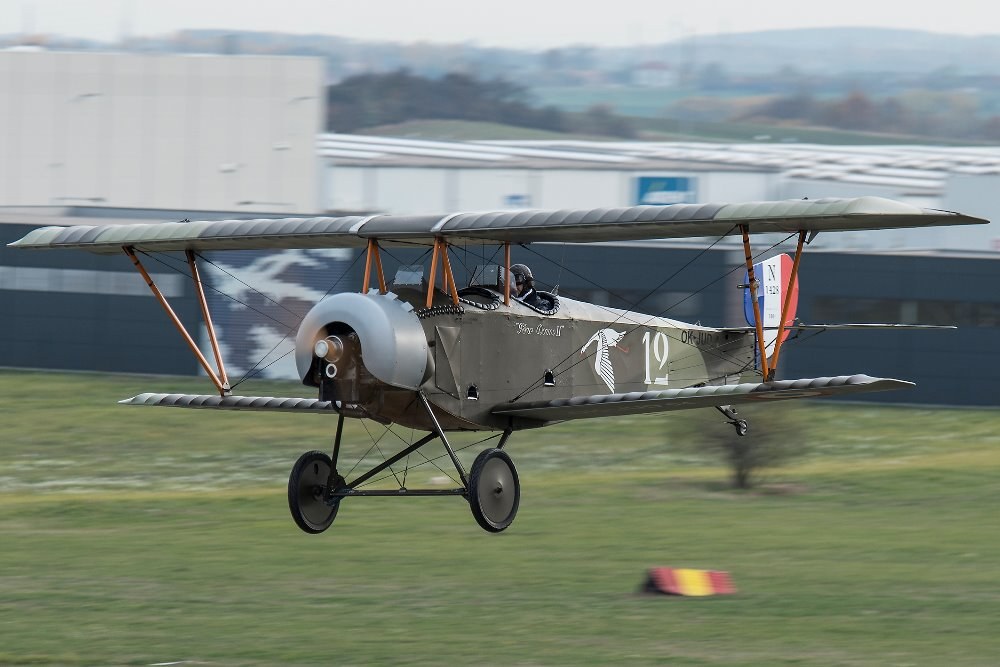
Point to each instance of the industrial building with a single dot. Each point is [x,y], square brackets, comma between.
[233,133]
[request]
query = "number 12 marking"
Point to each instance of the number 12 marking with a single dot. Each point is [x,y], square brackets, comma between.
[659,353]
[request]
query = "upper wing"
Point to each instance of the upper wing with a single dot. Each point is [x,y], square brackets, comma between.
[528,226]
[582,407]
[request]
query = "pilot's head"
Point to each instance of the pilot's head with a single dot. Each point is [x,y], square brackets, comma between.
[523,280]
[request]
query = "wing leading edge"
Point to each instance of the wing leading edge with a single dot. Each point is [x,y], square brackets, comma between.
[608,405]
[527,226]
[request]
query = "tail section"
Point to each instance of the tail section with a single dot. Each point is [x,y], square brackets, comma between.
[773,276]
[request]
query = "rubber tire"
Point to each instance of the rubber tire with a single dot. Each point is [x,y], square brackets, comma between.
[491,468]
[305,493]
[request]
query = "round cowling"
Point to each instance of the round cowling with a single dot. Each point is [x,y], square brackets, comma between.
[392,341]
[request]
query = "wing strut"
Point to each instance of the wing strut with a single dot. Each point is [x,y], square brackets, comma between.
[506,273]
[441,251]
[758,323]
[373,254]
[223,384]
[207,317]
[788,299]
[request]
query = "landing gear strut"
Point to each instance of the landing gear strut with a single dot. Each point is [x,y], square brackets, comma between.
[316,489]
[740,425]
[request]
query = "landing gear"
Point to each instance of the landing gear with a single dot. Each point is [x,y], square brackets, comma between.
[316,489]
[494,490]
[307,493]
[740,425]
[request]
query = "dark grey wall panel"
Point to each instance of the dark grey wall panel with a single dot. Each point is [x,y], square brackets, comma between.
[87,331]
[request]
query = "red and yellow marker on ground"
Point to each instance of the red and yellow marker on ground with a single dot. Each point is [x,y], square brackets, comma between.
[687,582]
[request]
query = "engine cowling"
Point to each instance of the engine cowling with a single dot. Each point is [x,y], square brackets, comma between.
[348,340]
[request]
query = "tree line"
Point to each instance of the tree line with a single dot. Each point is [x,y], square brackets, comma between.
[371,100]
[946,115]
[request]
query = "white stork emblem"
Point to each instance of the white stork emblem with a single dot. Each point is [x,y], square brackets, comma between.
[605,338]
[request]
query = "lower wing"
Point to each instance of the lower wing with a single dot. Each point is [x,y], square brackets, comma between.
[607,405]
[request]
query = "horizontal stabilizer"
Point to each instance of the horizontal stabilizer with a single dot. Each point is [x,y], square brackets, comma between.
[265,403]
[606,405]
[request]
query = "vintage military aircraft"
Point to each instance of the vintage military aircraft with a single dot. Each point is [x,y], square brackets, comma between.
[430,355]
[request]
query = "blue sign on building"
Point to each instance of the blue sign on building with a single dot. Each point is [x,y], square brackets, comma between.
[517,201]
[663,190]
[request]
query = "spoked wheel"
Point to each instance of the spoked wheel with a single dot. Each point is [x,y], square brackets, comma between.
[494,490]
[307,491]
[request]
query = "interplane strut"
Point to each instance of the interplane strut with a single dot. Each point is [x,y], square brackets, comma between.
[218,379]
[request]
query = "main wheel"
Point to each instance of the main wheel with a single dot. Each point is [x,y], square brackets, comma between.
[494,490]
[307,493]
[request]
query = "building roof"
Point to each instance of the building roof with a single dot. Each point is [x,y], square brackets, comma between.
[917,168]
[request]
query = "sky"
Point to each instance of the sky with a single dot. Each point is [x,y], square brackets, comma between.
[526,24]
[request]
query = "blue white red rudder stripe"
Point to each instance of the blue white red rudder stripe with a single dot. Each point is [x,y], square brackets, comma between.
[773,276]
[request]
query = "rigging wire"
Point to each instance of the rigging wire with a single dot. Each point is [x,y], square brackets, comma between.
[436,458]
[214,289]
[538,382]
[379,449]
[242,282]
[253,369]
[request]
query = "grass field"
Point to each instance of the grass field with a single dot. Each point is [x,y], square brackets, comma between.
[139,536]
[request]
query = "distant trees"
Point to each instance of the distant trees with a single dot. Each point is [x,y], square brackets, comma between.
[951,115]
[371,100]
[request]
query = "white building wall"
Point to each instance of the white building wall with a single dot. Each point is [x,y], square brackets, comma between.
[435,190]
[734,186]
[973,194]
[579,188]
[157,131]
[819,188]
[486,189]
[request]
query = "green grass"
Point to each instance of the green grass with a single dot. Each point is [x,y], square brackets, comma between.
[139,536]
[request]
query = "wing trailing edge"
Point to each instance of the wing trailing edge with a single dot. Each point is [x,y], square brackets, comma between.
[608,405]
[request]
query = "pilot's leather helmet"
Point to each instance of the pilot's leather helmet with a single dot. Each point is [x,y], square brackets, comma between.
[522,274]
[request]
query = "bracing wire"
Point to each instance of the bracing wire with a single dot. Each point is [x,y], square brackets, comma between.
[537,382]
[254,370]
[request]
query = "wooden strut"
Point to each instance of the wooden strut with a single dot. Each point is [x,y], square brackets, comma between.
[441,251]
[758,324]
[223,388]
[373,253]
[207,318]
[434,268]
[506,273]
[788,300]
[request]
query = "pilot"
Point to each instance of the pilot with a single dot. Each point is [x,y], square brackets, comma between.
[524,286]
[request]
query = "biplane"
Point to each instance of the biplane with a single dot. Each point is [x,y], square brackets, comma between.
[422,352]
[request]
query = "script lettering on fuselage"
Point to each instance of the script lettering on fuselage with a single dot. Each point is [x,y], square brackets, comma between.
[539,330]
